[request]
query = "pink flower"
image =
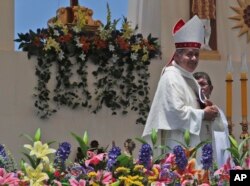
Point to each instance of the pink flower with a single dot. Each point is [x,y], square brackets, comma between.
[107,177]
[170,159]
[94,158]
[8,178]
[158,183]
[74,182]
[187,182]
[58,183]
[247,162]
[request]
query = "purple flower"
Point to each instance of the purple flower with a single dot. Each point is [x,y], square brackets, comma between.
[112,155]
[207,156]
[62,154]
[166,172]
[3,156]
[180,157]
[145,155]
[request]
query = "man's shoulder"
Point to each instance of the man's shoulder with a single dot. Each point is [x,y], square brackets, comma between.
[171,72]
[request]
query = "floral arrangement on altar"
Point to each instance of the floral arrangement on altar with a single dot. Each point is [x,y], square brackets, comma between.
[119,60]
[44,165]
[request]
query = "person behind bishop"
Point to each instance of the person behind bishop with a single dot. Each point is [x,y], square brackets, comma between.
[175,107]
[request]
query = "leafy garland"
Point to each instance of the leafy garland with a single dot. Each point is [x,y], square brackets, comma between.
[120,59]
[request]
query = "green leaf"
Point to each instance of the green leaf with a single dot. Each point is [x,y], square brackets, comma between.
[28,137]
[22,165]
[154,136]
[32,161]
[125,161]
[243,157]
[233,142]
[242,143]
[182,144]
[37,136]
[81,143]
[187,137]
[117,183]
[234,152]
[85,138]
[141,140]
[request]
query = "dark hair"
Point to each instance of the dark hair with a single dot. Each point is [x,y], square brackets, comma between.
[198,75]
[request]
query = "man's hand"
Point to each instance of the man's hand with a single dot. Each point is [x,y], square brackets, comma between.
[208,102]
[210,112]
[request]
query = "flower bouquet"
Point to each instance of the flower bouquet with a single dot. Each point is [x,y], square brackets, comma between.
[120,59]
[44,165]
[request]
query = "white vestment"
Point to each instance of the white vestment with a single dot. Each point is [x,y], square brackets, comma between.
[222,142]
[175,108]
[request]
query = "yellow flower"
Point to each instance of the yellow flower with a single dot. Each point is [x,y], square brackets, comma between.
[135,48]
[92,174]
[48,167]
[81,18]
[145,56]
[138,167]
[40,151]
[136,177]
[51,43]
[130,181]
[122,169]
[35,176]
[127,30]
[155,176]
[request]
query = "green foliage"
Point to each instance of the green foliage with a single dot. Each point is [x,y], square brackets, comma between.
[83,142]
[187,137]
[238,153]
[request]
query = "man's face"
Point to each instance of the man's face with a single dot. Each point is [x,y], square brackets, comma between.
[188,59]
[205,87]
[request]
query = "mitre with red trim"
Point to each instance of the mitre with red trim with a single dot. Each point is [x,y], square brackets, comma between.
[189,34]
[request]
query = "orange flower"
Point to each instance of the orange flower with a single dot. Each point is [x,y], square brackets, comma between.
[65,38]
[85,44]
[122,43]
[203,177]
[189,172]
[149,46]
[37,41]
[189,152]
[100,43]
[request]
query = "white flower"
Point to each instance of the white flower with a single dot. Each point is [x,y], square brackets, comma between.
[134,56]
[76,29]
[78,44]
[138,40]
[82,56]
[114,58]
[111,47]
[56,33]
[61,55]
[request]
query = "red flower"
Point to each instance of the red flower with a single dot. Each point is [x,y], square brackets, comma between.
[99,43]
[65,38]
[123,44]
[36,42]
[57,174]
[85,44]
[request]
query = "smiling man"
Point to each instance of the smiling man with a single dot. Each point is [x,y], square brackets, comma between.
[175,107]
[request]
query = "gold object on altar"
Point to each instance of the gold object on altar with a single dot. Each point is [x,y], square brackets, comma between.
[76,15]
